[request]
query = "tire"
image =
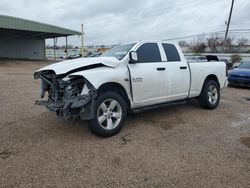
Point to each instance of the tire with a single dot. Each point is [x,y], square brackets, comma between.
[110,115]
[210,95]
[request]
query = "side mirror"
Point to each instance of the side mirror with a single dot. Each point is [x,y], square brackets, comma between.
[133,57]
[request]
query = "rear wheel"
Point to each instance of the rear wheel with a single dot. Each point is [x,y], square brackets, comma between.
[110,115]
[210,95]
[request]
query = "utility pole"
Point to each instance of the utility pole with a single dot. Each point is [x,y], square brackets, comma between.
[229,19]
[82,39]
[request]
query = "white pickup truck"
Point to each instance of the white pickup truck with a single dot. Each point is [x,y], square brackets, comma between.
[128,78]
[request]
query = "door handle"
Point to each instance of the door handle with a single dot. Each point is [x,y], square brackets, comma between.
[161,69]
[182,68]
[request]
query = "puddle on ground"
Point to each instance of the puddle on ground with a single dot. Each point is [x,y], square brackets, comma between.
[245,141]
[18,74]
[241,120]
[5,154]
[167,124]
[247,98]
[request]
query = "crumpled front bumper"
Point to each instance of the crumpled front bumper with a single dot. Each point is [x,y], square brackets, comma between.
[79,106]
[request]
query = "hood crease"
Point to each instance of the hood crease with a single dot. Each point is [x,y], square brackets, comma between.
[71,66]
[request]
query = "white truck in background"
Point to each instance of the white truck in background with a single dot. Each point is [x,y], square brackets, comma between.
[130,77]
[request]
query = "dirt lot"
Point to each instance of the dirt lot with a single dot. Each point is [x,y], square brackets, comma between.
[178,146]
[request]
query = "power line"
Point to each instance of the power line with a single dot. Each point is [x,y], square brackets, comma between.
[195,35]
[157,37]
[218,32]
[156,12]
[148,15]
[186,5]
[152,14]
[150,9]
[210,33]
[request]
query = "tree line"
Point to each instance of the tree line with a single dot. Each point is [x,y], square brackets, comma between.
[216,44]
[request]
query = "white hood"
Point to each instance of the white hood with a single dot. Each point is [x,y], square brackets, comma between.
[66,66]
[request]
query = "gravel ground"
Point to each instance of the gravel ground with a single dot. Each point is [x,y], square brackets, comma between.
[178,146]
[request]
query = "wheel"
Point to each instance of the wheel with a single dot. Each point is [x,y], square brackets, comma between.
[110,115]
[210,95]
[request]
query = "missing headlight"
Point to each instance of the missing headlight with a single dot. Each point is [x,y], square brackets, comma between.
[73,86]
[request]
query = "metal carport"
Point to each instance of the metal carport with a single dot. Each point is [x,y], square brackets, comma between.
[25,39]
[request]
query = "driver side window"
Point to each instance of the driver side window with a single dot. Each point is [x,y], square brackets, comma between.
[149,53]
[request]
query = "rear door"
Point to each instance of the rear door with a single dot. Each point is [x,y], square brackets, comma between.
[148,75]
[177,73]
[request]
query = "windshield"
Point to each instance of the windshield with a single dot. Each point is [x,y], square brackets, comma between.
[244,65]
[118,52]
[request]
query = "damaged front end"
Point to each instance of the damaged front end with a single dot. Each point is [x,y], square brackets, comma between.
[68,96]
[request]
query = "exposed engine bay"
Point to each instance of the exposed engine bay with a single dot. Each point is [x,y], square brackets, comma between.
[68,96]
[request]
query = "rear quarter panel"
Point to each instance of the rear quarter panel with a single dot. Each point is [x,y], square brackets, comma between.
[201,70]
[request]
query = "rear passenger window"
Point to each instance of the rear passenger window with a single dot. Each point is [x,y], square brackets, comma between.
[171,52]
[148,53]
[203,59]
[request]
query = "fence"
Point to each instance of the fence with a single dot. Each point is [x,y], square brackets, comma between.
[244,56]
[60,54]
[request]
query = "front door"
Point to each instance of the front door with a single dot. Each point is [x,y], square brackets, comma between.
[148,75]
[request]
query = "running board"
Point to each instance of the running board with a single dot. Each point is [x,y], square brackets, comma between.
[163,105]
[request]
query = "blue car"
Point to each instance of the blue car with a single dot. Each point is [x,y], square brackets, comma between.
[240,76]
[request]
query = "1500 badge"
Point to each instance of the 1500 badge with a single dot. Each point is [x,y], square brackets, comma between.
[136,79]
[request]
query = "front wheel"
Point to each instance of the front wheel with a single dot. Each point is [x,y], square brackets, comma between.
[110,115]
[210,95]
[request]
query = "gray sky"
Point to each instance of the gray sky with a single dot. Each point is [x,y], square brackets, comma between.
[117,21]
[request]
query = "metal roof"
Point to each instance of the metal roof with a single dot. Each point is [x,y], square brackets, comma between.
[12,26]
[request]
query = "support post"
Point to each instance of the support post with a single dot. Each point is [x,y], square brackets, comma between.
[66,47]
[54,48]
[44,50]
[82,39]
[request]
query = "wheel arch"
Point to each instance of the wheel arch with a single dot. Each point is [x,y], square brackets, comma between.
[117,88]
[212,77]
